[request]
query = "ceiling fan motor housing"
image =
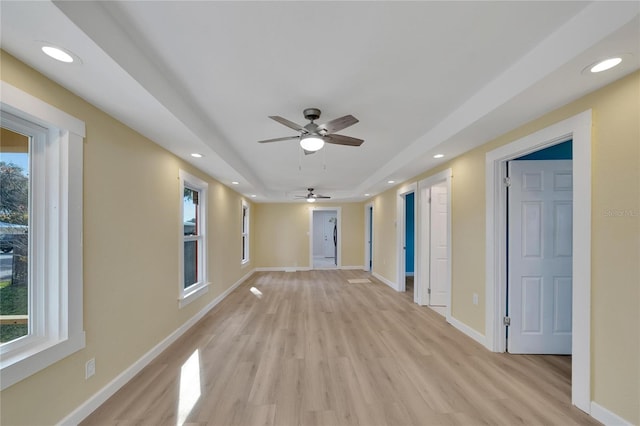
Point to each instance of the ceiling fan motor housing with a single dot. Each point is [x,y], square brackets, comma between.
[311,113]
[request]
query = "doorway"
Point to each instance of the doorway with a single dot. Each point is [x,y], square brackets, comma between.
[539,193]
[401,238]
[409,243]
[578,129]
[324,238]
[368,237]
[434,243]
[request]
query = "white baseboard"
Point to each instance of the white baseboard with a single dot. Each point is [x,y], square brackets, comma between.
[91,404]
[606,417]
[384,280]
[480,338]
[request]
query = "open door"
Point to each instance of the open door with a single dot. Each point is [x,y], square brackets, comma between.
[540,232]
[439,252]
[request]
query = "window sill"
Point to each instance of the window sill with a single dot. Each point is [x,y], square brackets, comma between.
[192,293]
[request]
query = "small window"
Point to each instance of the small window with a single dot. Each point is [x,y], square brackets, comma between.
[193,247]
[245,232]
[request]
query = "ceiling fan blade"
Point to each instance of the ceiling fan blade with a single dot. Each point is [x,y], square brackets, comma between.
[338,124]
[289,124]
[343,140]
[279,139]
[321,196]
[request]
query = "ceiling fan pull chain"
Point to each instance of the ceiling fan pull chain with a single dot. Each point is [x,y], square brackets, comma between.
[324,160]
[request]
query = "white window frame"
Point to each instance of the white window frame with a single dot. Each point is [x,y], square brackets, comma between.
[191,293]
[246,211]
[56,327]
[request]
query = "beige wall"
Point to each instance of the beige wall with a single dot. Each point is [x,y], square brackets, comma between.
[615,260]
[281,234]
[131,240]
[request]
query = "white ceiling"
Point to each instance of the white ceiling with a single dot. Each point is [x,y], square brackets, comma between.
[422,77]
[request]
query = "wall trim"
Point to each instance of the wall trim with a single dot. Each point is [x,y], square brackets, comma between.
[95,401]
[385,281]
[607,417]
[468,331]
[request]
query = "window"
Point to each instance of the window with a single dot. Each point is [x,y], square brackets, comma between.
[245,232]
[193,247]
[14,234]
[41,215]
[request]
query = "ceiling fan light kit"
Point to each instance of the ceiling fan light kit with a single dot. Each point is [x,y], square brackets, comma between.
[311,143]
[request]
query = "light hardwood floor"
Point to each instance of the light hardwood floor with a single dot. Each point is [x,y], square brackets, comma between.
[313,349]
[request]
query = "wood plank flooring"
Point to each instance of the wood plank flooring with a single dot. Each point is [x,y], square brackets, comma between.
[313,349]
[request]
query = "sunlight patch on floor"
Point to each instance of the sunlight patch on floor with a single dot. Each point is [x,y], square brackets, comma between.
[189,387]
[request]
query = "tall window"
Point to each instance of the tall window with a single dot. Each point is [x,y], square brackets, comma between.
[40,235]
[193,247]
[245,232]
[14,234]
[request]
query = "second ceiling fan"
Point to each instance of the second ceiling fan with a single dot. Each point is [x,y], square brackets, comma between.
[312,136]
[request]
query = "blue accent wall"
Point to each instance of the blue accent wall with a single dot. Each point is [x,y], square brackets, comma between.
[409,229]
[561,151]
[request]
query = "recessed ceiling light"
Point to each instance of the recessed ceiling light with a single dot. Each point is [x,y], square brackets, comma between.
[391,181]
[605,64]
[57,54]
[253,195]
[196,155]
[235,183]
[367,195]
[438,156]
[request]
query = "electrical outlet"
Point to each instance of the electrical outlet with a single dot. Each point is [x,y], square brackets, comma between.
[475,298]
[90,368]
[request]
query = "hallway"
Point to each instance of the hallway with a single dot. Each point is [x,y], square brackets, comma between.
[310,348]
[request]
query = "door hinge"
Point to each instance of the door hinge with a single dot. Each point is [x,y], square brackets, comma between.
[428,291]
[506,321]
[507,182]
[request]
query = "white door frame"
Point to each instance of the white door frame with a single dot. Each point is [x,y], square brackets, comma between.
[577,128]
[423,249]
[368,235]
[400,236]
[338,211]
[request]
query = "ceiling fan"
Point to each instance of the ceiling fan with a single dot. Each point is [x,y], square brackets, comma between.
[313,136]
[311,197]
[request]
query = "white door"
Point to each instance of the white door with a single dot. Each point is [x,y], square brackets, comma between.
[329,246]
[540,256]
[439,262]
